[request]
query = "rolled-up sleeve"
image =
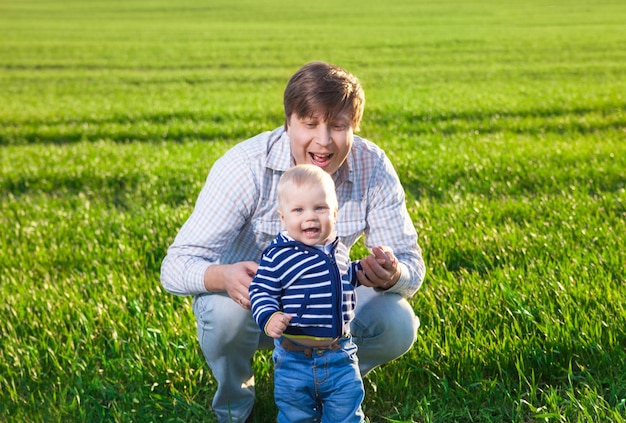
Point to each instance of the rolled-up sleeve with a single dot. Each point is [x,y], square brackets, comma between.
[389,223]
[222,208]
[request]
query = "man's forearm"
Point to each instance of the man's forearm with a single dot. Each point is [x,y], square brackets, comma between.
[214,278]
[183,275]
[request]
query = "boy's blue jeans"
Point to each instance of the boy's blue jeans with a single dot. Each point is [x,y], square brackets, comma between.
[384,328]
[318,385]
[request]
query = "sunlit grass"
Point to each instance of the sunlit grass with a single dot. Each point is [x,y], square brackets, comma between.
[506,124]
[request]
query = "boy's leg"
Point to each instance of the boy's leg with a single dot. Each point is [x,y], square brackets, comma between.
[384,327]
[228,336]
[340,386]
[294,390]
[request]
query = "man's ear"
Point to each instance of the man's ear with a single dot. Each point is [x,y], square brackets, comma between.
[288,123]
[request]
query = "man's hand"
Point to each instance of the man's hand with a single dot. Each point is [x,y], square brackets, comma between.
[277,324]
[380,269]
[233,278]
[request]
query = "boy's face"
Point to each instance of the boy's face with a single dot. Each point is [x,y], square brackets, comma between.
[308,214]
[323,144]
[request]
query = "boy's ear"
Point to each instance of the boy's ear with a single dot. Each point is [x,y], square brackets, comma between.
[282,218]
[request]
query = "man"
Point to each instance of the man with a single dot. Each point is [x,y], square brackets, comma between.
[214,256]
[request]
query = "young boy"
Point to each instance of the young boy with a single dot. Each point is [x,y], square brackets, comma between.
[303,296]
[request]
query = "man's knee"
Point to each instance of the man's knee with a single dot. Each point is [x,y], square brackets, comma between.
[402,327]
[222,325]
[389,321]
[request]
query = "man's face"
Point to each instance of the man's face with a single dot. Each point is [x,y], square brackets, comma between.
[323,144]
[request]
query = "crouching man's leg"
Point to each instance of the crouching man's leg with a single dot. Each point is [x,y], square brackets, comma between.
[229,337]
[384,328]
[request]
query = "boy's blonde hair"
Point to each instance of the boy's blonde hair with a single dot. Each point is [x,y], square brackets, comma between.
[307,175]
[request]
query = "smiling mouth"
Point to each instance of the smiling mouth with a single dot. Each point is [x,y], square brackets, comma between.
[321,160]
[311,231]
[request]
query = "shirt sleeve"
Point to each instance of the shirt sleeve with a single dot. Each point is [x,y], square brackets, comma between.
[225,203]
[388,223]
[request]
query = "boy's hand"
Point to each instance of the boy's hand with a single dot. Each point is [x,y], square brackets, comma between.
[277,325]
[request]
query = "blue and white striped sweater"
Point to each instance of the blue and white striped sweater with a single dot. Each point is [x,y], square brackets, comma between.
[314,287]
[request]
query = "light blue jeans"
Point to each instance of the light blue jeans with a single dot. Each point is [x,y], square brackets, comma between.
[324,386]
[384,328]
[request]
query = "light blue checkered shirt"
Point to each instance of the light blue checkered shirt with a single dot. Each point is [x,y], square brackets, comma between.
[235,216]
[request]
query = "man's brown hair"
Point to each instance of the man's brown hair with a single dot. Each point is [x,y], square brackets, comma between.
[319,87]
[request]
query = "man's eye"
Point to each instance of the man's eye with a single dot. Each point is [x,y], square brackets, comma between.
[309,122]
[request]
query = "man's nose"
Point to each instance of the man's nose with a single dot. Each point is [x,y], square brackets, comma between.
[323,136]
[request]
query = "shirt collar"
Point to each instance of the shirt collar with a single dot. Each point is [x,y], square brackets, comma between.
[344,173]
[279,155]
[330,244]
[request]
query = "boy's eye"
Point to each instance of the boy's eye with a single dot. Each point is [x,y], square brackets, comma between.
[298,209]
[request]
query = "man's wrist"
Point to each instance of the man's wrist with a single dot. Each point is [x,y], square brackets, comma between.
[402,282]
[213,277]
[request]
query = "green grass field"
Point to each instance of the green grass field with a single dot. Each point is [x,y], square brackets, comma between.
[506,122]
